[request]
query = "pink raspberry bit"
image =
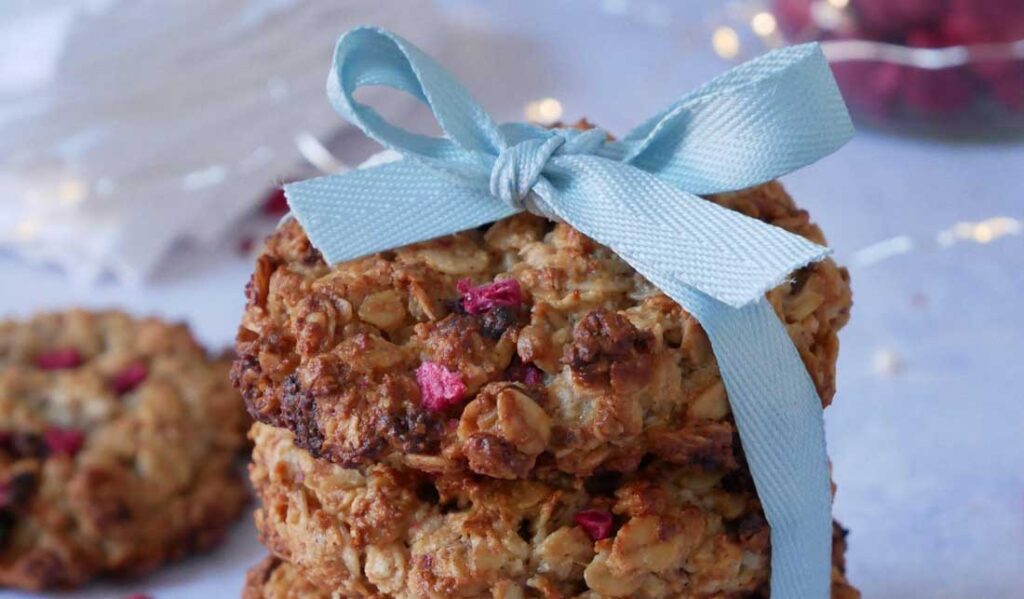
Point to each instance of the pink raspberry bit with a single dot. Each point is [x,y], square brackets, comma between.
[596,523]
[274,203]
[66,441]
[477,300]
[59,359]
[532,375]
[524,373]
[129,378]
[440,388]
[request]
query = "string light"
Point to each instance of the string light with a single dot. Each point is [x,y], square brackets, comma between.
[546,111]
[981,232]
[763,24]
[826,14]
[886,362]
[726,42]
[71,192]
[25,230]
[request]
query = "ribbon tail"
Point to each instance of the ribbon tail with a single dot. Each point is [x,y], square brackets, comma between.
[384,207]
[780,420]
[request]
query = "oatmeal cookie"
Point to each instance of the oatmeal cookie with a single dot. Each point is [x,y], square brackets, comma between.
[520,345]
[387,530]
[118,446]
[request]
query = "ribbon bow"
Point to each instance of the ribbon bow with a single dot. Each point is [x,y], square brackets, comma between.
[638,196]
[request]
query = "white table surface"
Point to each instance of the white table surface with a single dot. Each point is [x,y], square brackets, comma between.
[927,430]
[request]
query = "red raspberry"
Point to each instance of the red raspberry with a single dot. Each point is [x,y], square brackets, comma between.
[440,388]
[59,359]
[979,21]
[596,523]
[942,91]
[870,88]
[129,377]
[937,92]
[889,19]
[794,17]
[477,300]
[66,441]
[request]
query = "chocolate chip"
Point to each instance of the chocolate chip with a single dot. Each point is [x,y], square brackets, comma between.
[6,526]
[750,526]
[427,493]
[17,489]
[20,445]
[738,481]
[603,483]
[497,319]
[299,413]
[455,306]
[524,530]
[415,432]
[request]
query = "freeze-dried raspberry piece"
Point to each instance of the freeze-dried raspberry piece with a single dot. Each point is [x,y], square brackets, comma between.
[596,523]
[129,377]
[440,388]
[59,359]
[524,373]
[477,300]
[67,441]
[274,203]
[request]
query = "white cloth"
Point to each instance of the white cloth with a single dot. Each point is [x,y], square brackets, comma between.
[122,122]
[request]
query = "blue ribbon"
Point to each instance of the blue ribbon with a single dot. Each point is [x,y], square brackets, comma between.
[637,196]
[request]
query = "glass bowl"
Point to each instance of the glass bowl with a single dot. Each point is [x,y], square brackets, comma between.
[943,66]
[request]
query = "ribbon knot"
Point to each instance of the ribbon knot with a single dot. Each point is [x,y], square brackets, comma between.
[639,197]
[519,166]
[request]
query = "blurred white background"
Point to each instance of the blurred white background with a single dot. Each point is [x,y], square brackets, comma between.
[927,430]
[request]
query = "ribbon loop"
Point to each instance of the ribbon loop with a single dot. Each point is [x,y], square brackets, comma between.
[757,122]
[369,56]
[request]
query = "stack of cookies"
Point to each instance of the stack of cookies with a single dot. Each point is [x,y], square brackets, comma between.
[120,440]
[507,412]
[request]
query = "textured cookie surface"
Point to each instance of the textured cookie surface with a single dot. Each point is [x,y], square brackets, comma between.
[273,578]
[389,531]
[551,350]
[118,446]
